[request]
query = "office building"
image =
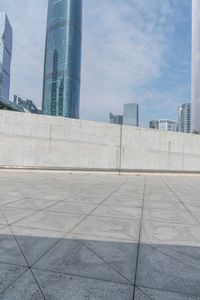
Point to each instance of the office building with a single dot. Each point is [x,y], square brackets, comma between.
[116,119]
[184,118]
[5,55]
[27,105]
[131,114]
[195,65]
[62,66]
[164,124]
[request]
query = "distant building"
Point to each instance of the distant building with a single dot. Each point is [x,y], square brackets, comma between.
[116,119]
[62,66]
[26,104]
[5,55]
[153,124]
[131,114]
[164,124]
[184,118]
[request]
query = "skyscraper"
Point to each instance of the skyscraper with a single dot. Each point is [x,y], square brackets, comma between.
[184,118]
[62,66]
[131,114]
[5,55]
[195,65]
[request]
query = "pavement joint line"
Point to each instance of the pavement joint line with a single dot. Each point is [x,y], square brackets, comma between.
[28,265]
[139,239]
[12,264]
[67,233]
[143,292]
[13,281]
[196,219]
[81,276]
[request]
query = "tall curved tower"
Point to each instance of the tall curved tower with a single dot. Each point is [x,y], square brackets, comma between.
[62,65]
[196,65]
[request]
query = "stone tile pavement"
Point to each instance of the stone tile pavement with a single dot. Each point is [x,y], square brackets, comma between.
[92,237]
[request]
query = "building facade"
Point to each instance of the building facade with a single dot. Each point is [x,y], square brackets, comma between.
[195,65]
[153,124]
[116,119]
[184,118]
[5,55]
[62,66]
[131,114]
[27,105]
[164,124]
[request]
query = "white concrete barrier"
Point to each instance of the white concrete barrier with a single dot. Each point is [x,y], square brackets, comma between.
[36,141]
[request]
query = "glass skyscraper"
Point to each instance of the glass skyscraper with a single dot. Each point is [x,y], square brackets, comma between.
[62,66]
[5,55]
[131,114]
[196,65]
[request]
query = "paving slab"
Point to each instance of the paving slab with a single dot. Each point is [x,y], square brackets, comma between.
[8,274]
[157,270]
[51,221]
[9,249]
[109,227]
[25,288]
[60,286]
[150,294]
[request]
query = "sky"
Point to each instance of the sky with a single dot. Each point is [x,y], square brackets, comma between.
[133,51]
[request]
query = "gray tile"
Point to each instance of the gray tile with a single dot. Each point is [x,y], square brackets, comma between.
[132,200]
[170,234]
[9,249]
[51,221]
[75,258]
[2,219]
[8,274]
[25,288]
[61,287]
[171,216]
[118,212]
[72,207]
[168,205]
[35,242]
[109,228]
[167,273]
[121,256]
[14,214]
[33,204]
[146,294]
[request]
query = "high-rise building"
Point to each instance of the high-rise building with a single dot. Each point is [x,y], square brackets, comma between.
[184,118]
[131,114]
[164,124]
[195,65]
[27,105]
[116,119]
[62,66]
[5,55]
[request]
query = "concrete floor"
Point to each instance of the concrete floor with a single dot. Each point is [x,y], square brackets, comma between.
[91,237]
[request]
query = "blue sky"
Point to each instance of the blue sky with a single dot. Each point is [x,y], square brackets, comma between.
[133,51]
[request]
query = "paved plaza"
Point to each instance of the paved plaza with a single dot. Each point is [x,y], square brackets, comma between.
[99,236]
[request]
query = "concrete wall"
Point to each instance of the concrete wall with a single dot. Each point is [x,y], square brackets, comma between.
[37,141]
